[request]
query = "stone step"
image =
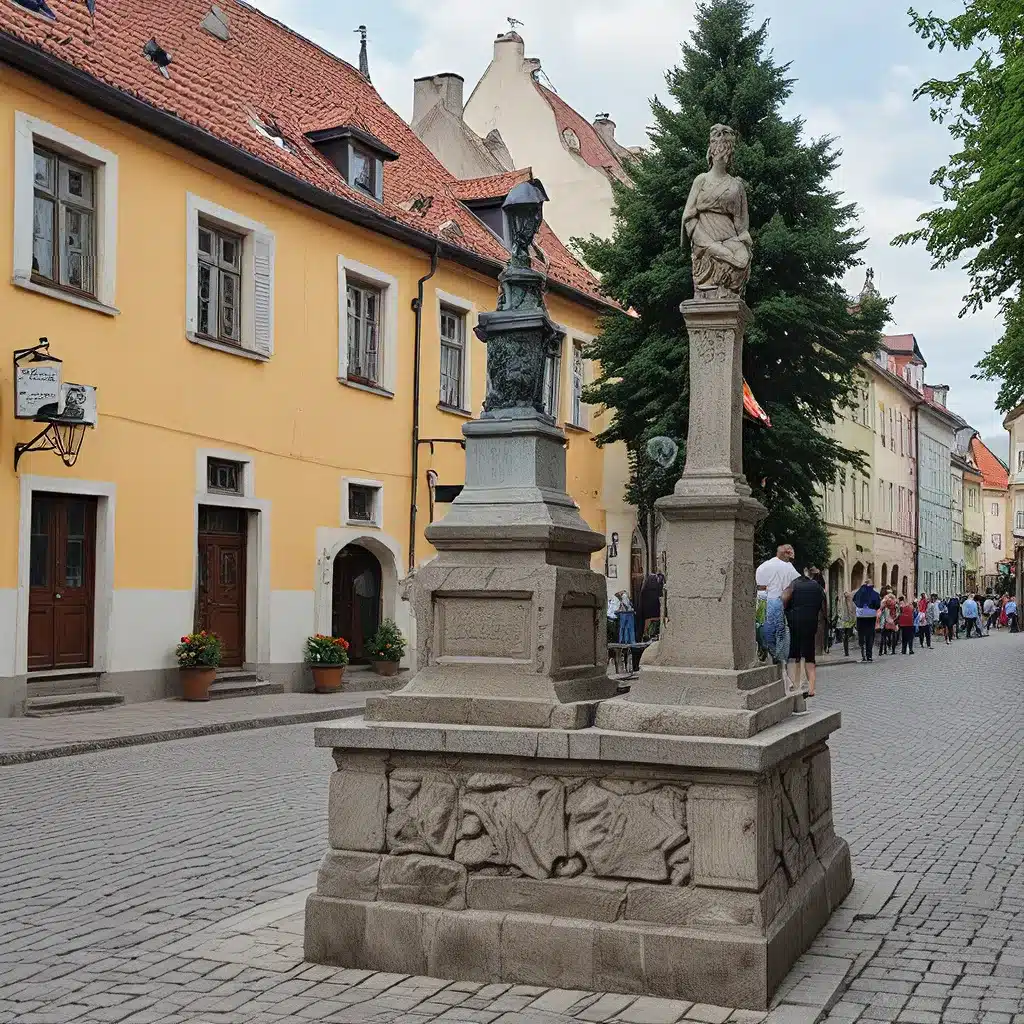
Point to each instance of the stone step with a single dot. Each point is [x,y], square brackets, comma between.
[361,678]
[242,684]
[55,683]
[71,703]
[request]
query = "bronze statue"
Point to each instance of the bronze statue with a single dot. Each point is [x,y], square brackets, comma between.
[717,223]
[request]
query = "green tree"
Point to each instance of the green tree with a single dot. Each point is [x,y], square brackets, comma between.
[804,342]
[983,182]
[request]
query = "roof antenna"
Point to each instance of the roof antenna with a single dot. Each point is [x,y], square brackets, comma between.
[512,22]
[364,61]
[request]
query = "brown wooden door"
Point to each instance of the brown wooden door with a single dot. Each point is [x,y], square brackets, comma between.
[356,598]
[62,575]
[220,595]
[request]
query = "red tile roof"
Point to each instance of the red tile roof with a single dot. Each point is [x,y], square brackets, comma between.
[592,147]
[899,342]
[491,187]
[267,72]
[994,473]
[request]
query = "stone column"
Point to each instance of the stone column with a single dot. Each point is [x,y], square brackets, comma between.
[702,677]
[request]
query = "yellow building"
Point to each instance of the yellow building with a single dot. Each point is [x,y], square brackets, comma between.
[234,240]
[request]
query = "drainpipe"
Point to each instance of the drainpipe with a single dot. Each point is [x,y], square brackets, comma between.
[917,495]
[417,308]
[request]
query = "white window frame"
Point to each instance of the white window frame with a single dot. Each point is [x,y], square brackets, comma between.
[559,376]
[29,131]
[378,506]
[468,309]
[257,278]
[388,353]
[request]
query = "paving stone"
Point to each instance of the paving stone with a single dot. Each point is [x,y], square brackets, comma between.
[649,1010]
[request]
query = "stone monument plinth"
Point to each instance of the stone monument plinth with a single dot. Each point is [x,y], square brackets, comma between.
[504,817]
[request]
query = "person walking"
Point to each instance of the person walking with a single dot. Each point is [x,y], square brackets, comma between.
[866,602]
[847,620]
[1002,611]
[931,620]
[989,611]
[953,615]
[774,577]
[905,618]
[804,610]
[971,613]
[888,627]
[1011,615]
[627,619]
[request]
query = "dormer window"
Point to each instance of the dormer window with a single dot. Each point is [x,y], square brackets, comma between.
[491,214]
[358,156]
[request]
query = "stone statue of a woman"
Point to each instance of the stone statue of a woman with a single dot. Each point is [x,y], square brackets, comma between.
[717,223]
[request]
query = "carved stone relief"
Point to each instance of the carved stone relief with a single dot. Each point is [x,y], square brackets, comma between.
[422,813]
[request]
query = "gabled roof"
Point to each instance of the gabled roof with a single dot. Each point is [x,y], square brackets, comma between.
[994,473]
[263,72]
[903,345]
[592,147]
[491,187]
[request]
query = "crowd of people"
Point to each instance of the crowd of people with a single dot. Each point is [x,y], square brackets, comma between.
[794,621]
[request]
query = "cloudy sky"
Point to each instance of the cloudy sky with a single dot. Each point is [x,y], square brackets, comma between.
[856,64]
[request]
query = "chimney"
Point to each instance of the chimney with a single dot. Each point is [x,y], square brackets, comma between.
[445,89]
[605,128]
[509,46]
[364,60]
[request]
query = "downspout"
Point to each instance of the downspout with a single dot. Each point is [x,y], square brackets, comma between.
[417,308]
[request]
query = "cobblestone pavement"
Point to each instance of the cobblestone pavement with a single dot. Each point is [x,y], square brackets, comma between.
[163,884]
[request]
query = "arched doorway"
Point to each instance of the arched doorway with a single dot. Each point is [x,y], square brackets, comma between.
[356,598]
[895,578]
[835,582]
[884,580]
[904,586]
[857,576]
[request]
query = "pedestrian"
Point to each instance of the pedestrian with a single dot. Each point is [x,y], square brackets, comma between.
[920,627]
[866,602]
[1011,615]
[847,621]
[931,619]
[905,618]
[627,619]
[990,613]
[953,615]
[971,612]
[1002,611]
[774,577]
[922,603]
[888,623]
[944,620]
[803,612]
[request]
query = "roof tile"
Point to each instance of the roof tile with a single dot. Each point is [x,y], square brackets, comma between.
[994,473]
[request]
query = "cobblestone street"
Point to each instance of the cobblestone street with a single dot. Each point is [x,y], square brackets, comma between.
[121,870]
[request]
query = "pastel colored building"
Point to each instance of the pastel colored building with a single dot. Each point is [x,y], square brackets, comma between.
[272,284]
[995,504]
[1014,423]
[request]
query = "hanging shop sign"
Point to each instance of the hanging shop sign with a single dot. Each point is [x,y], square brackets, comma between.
[40,394]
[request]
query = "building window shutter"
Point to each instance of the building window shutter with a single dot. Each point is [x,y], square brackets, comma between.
[263,304]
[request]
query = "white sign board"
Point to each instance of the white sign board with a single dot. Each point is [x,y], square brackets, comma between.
[36,385]
[77,404]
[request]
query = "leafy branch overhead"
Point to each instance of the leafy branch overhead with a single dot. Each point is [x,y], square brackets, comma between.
[805,343]
[982,185]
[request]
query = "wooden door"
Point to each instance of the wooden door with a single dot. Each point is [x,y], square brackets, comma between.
[220,595]
[356,599]
[62,582]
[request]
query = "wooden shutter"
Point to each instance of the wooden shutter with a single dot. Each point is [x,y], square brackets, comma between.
[263,303]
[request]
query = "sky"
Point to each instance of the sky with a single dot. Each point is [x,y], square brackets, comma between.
[856,66]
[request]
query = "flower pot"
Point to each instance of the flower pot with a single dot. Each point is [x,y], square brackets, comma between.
[386,668]
[327,678]
[195,682]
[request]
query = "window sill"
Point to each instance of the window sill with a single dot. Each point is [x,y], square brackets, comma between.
[455,411]
[363,524]
[577,428]
[65,296]
[231,350]
[370,388]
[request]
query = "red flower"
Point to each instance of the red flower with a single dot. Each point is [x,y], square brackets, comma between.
[184,639]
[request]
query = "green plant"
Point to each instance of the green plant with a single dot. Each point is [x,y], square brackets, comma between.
[198,650]
[387,643]
[326,650]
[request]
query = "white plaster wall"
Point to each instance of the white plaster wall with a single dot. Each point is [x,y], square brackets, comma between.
[146,626]
[506,98]
[291,621]
[8,629]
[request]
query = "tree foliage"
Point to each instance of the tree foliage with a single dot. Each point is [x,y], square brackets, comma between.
[982,185]
[804,342]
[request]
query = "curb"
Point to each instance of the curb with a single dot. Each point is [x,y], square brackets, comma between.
[165,735]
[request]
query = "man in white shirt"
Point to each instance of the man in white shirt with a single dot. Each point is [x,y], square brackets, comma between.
[774,579]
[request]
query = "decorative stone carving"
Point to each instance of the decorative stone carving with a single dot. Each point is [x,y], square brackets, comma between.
[423,813]
[630,830]
[717,222]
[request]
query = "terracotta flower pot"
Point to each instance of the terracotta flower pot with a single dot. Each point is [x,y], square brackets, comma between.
[386,668]
[327,678]
[195,682]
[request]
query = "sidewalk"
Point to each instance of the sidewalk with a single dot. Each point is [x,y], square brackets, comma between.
[32,739]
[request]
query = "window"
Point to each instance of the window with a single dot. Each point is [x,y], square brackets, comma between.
[995,508]
[453,357]
[364,327]
[493,216]
[865,499]
[577,384]
[882,421]
[997,541]
[892,431]
[65,215]
[220,285]
[552,377]
[899,420]
[63,222]
[224,476]
[363,167]
[1020,460]
[362,502]
[357,155]
[229,302]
